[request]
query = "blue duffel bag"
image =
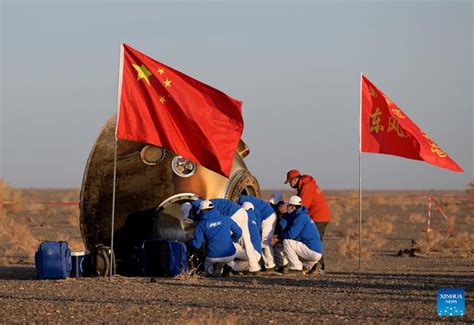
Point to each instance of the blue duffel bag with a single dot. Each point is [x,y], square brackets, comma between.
[163,257]
[53,260]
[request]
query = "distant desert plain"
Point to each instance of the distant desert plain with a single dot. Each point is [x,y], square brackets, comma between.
[403,264]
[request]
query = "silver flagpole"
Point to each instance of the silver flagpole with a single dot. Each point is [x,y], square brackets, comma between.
[360,206]
[360,171]
[112,227]
[113,211]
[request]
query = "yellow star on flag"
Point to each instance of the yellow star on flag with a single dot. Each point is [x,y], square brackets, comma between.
[161,71]
[162,100]
[167,83]
[143,73]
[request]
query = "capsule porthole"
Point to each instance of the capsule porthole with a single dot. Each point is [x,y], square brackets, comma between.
[183,167]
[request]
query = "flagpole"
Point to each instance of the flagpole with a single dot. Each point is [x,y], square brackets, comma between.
[112,226]
[113,211]
[360,171]
[360,206]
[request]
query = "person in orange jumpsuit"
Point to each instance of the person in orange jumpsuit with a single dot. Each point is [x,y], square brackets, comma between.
[313,198]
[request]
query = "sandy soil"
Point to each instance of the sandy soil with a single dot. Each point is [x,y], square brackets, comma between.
[388,288]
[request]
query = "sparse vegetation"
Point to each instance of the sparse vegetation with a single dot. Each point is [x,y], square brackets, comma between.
[349,247]
[455,245]
[191,274]
[470,193]
[417,218]
[17,244]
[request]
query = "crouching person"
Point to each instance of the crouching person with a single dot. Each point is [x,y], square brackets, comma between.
[300,239]
[220,233]
[239,215]
[241,262]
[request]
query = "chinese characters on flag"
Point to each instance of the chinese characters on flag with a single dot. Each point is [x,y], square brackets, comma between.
[384,128]
[164,107]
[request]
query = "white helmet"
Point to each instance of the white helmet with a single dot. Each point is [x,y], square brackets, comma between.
[247,206]
[295,200]
[206,205]
[186,209]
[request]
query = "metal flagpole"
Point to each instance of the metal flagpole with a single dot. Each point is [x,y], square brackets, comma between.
[113,212]
[360,171]
[112,227]
[360,206]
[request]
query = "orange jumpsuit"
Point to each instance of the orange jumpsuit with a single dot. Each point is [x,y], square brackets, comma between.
[313,198]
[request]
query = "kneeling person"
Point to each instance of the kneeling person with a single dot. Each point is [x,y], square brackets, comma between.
[301,243]
[255,238]
[220,234]
[237,214]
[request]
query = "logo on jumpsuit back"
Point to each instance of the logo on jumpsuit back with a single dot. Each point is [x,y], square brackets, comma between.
[49,251]
[215,224]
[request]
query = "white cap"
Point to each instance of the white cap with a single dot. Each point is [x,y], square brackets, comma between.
[205,205]
[295,200]
[276,197]
[186,209]
[248,206]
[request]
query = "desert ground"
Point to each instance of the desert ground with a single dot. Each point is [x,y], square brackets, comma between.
[388,288]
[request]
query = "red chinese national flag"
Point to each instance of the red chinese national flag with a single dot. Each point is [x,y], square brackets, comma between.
[384,128]
[166,108]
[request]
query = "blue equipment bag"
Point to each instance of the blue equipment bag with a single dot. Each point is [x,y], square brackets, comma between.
[53,260]
[163,257]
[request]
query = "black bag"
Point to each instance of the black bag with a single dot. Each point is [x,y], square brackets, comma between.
[100,260]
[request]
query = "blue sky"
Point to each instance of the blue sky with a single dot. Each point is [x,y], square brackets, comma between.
[296,66]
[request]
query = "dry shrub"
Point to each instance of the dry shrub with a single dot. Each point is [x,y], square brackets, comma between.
[456,244]
[350,221]
[36,208]
[453,208]
[71,196]
[375,229]
[380,226]
[73,218]
[372,235]
[451,222]
[75,244]
[49,212]
[417,218]
[470,193]
[380,200]
[349,247]
[16,242]
[461,244]
[375,239]
[431,242]
[336,213]
[191,274]
[10,194]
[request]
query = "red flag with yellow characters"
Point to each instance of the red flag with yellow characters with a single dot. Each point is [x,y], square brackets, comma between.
[161,106]
[385,129]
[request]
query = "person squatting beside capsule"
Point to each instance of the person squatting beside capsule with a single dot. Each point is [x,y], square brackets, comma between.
[266,220]
[220,234]
[312,198]
[239,215]
[301,245]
